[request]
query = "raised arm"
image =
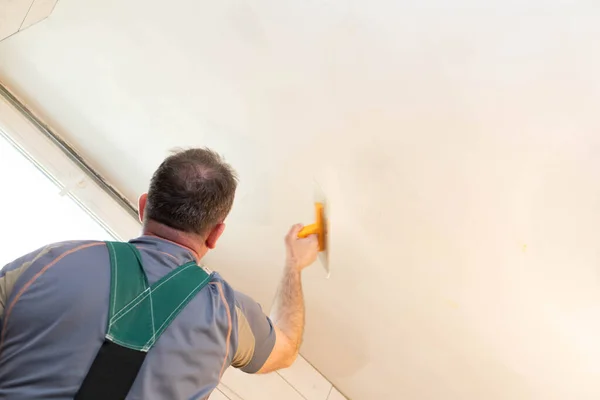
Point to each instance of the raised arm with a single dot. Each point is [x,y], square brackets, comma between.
[287,313]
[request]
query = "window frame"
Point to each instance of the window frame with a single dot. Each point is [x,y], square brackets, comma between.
[60,163]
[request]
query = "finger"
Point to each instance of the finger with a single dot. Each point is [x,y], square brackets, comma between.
[313,240]
[293,233]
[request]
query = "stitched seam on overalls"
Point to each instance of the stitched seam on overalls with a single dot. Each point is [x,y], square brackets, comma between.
[125,344]
[114,257]
[149,291]
[129,307]
[152,316]
[192,264]
[170,318]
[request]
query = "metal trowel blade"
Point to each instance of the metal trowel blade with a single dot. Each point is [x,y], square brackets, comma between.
[324,255]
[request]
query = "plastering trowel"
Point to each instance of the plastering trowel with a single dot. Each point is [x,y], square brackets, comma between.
[319,228]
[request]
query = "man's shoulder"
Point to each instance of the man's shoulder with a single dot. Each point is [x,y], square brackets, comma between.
[50,252]
[238,299]
[221,285]
[75,245]
[60,251]
[17,276]
[70,245]
[235,299]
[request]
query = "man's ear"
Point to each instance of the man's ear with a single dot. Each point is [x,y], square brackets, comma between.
[142,206]
[214,235]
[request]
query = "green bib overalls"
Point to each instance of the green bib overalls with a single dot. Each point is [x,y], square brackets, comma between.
[138,314]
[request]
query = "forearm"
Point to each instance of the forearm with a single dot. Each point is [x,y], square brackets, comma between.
[288,310]
[287,314]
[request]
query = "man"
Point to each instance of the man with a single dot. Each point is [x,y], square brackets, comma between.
[54,302]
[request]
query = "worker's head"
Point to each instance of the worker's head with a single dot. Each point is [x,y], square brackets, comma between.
[192,191]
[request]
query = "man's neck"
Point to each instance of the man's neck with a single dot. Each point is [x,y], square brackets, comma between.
[190,241]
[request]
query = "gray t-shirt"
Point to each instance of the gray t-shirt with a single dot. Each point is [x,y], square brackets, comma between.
[53,312]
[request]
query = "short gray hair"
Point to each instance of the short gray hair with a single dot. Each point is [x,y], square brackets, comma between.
[191,191]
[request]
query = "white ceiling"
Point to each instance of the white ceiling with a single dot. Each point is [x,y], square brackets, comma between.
[458,147]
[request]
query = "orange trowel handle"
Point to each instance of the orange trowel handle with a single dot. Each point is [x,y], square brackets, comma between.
[318,228]
[312,229]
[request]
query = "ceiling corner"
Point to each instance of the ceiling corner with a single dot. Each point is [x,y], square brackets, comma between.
[18,15]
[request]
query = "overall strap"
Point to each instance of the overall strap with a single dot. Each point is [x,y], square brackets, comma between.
[138,314]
